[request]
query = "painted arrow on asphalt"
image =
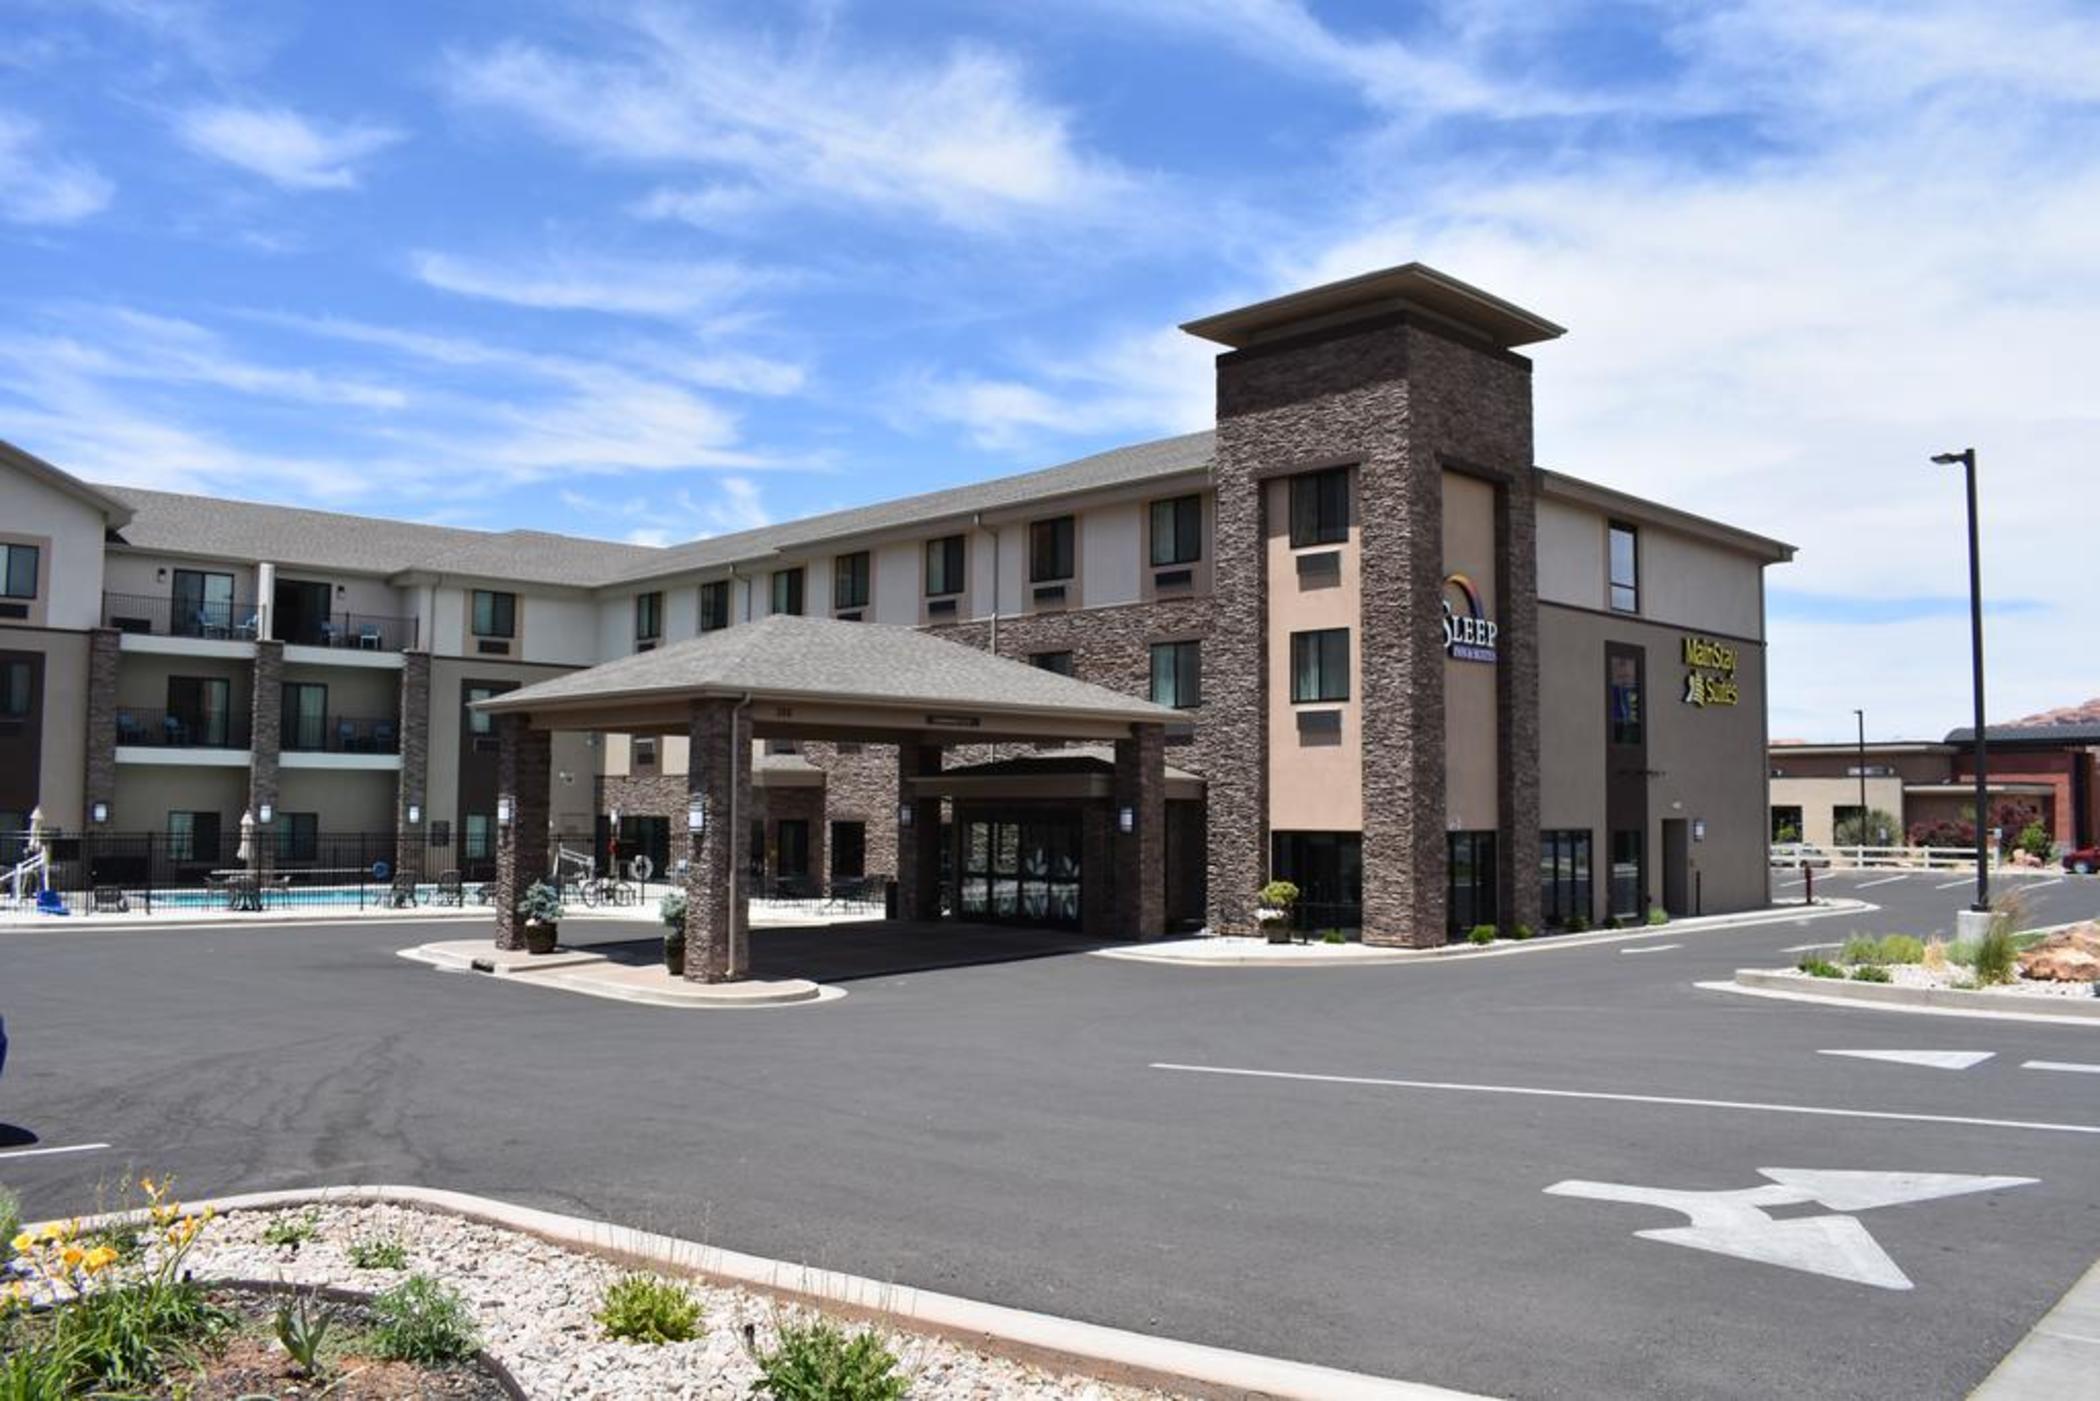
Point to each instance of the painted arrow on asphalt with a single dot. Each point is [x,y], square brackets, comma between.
[1735,1223]
[1936,1060]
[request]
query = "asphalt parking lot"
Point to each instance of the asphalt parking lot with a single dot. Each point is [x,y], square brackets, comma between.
[1345,1166]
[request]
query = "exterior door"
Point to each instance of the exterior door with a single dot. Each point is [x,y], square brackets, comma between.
[1025,871]
[1677,866]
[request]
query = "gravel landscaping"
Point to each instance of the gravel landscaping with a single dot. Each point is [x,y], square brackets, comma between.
[537,1307]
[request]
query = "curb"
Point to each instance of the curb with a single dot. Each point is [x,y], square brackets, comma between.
[1089,1349]
[1946,1002]
[1823,909]
[564,976]
[2059,1356]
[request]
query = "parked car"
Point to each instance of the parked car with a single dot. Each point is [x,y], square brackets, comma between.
[1797,854]
[2084,861]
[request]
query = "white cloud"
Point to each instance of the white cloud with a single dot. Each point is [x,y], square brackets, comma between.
[958,136]
[704,207]
[37,187]
[283,146]
[624,287]
[1143,384]
[724,506]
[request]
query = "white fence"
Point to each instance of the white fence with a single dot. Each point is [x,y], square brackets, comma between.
[1794,855]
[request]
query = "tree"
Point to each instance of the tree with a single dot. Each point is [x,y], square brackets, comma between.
[1881,830]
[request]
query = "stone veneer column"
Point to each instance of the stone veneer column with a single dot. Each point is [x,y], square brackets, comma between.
[918,845]
[524,765]
[104,652]
[1399,403]
[1141,855]
[265,735]
[413,788]
[1517,696]
[717,904]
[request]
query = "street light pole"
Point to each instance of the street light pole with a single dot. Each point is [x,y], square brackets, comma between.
[1967,458]
[1861,716]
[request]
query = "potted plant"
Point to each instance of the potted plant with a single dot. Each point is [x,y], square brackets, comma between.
[671,910]
[1272,910]
[541,906]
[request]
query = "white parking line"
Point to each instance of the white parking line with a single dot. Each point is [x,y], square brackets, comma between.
[2070,1065]
[1798,880]
[1652,948]
[1885,880]
[1808,948]
[1669,1101]
[40,1152]
[2041,884]
[1965,880]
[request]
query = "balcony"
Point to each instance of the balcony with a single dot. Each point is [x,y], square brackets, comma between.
[363,632]
[180,737]
[157,615]
[340,734]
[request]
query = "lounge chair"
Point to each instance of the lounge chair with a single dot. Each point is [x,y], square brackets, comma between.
[450,891]
[110,900]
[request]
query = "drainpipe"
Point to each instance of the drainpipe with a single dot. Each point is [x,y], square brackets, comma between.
[977,521]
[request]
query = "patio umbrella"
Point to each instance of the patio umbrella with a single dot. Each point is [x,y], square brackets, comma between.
[246,854]
[35,846]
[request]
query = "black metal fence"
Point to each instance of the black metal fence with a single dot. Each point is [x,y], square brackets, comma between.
[181,729]
[341,734]
[165,616]
[290,868]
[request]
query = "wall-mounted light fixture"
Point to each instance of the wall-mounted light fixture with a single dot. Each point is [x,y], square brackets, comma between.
[99,813]
[1698,829]
[696,815]
[160,575]
[1126,820]
[262,814]
[415,813]
[341,592]
[503,812]
[904,814]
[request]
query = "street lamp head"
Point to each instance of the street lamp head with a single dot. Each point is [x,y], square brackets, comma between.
[1948,459]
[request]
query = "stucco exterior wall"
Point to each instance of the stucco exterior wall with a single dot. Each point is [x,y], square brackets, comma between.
[68,534]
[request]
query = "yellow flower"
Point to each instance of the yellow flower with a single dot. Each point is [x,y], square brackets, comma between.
[23,1243]
[100,1258]
[72,1255]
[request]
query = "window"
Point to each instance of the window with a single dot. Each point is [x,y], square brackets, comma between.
[1177,530]
[1625,569]
[1624,695]
[495,614]
[1470,892]
[1328,869]
[16,696]
[1564,876]
[849,850]
[944,566]
[787,590]
[648,617]
[477,836]
[193,837]
[714,605]
[1050,549]
[18,577]
[1177,674]
[1626,862]
[1059,662]
[1320,508]
[305,715]
[201,604]
[783,746]
[1320,665]
[849,582]
[480,722]
[199,711]
[298,836]
[645,752]
[1786,822]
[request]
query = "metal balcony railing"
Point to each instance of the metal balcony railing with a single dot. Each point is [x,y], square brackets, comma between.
[340,734]
[177,729]
[159,615]
[370,632]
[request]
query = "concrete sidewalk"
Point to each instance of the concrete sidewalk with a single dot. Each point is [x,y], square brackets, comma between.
[596,975]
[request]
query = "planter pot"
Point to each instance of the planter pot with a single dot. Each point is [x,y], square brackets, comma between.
[539,937]
[674,960]
[1278,930]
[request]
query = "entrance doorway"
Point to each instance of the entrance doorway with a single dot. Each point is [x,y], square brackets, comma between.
[1469,898]
[1024,871]
[301,611]
[1677,866]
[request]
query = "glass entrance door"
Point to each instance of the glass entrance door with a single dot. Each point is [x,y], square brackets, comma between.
[1021,872]
[1470,898]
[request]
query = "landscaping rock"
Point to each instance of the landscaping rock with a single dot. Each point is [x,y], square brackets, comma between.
[2069,956]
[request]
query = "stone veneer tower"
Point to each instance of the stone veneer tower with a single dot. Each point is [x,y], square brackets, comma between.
[1403,375]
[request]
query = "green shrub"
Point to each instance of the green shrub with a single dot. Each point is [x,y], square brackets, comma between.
[1889,948]
[1658,916]
[1995,955]
[645,1308]
[541,902]
[820,1361]
[378,1253]
[10,1221]
[43,1371]
[423,1321]
[1522,931]
[1578,924]
[1870,973]
[293,1231]
[301,1327]
[122,1339]
[671,911]
[1819,967]
[1334,936]
[1277,895]
[2034,840]
[1482,934]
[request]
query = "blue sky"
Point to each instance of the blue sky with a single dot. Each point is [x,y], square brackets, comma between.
[653,271]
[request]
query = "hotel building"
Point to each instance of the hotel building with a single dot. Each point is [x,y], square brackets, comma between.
[1429,681]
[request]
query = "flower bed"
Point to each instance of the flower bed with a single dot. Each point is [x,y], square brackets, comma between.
[2037,965]
[541,1311]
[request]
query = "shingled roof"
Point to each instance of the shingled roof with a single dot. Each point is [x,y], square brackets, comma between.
[295,536]
[785,656]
